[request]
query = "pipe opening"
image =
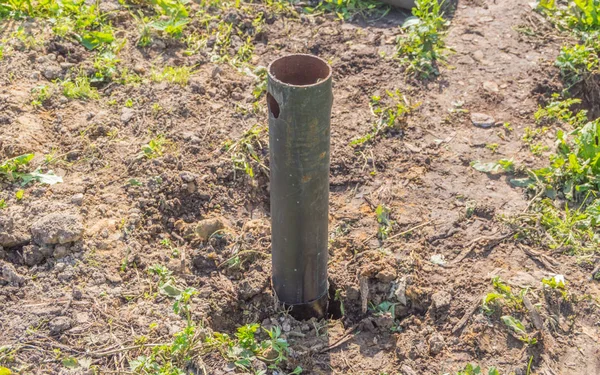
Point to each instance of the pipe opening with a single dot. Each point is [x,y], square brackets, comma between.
[300,70]
[273,105]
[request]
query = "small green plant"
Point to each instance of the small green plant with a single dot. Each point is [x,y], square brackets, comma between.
[578,62]
[12,170]
[423,45]
[41,94]
[245,348]
[155,148]
[580,15]
[347,9]
[556,283]
[476,370]
[382,213]
[3,204]
[179,75]
[519,329]
[502,296]
[559,110]
[80,88]
[492,147]
[243,151]
[391,112]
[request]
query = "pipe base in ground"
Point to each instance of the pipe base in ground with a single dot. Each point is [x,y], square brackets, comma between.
[315,309]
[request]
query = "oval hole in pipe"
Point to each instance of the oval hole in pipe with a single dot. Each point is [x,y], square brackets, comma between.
[273,105]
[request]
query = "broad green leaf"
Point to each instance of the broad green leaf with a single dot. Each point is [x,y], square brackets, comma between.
[514,324]
[170,290]
[70,362]
[504,164]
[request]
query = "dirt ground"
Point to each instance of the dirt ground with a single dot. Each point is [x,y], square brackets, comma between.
[74,256]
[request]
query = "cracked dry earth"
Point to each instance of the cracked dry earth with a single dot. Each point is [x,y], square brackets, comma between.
[74,256]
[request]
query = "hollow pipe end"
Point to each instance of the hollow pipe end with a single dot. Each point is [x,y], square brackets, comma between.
[304,311]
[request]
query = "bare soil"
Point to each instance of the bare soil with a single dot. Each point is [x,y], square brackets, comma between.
[77,281]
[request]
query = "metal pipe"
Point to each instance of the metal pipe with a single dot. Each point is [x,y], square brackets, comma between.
[299,98]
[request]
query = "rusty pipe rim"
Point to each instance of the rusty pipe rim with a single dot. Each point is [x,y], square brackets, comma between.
[299,70]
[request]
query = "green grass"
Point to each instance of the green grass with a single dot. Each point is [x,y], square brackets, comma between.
[178,75]
[422,47]
[348,9]
[392,112]
[79,88]
[155,148]
[243,152]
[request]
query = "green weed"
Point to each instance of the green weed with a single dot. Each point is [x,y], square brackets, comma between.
[502,296]
[556,283]
[243,151]
[423,45]
[179,75]
[391,112]
[382,213]
[476,370]
[12,170]
[41,94]
[348,9]
[79,88]
[519,329]
[155,148]
[245,348]
[580,15]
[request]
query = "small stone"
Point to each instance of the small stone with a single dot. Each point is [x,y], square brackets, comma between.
[491,86]
[10,274]
[286,326]
[205,228]
[98,278]
[59,325]
[436,344]
[59,267]
[158,44]
[127,115]
[478,55]
[482,120]
[114,278]
[304,327]
[60,251]
[77,294]
[400,292]
[57,228]
[187,177]
[386,276]
[65,276]
[51,72]
[77,199]
[441,300]
[237,96]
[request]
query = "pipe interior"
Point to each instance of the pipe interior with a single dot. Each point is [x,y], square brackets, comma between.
[300,70]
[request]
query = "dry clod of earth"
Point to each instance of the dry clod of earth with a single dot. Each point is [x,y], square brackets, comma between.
[57,228]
